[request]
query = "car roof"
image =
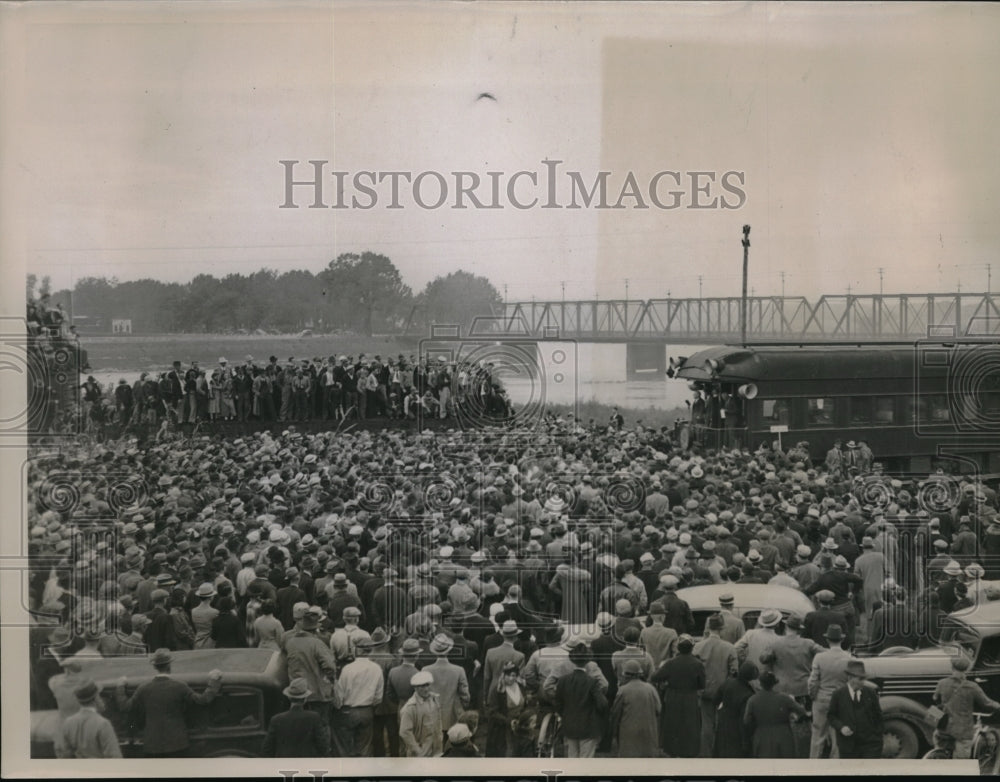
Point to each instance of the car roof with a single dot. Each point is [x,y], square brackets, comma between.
[984,617]
[747,596]
[185,664]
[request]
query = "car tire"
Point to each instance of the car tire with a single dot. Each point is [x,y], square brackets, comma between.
[900,740]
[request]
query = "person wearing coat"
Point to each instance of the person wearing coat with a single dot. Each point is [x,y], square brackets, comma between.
[682,679]
[450,682]
[420,720]
[499,656]
[732,739]
[581,703]
[506,704]
[768,720]
[572,586]
[855,715]
[634,716]
[296,733]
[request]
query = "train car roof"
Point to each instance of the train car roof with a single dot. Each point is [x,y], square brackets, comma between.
[824,362]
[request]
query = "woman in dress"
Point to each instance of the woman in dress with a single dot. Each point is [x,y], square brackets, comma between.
[214,395]
[506,703]
[731,737]
[267,629]
[768,720]
[681,679]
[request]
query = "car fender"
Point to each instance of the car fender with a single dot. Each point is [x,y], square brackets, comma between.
[909,710]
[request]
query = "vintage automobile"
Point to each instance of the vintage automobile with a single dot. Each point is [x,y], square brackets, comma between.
[233,725]
[749,601]
[906,678]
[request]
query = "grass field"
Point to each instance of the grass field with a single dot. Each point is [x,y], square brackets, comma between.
[143,353]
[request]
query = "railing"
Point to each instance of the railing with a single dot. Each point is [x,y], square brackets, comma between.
[840,317]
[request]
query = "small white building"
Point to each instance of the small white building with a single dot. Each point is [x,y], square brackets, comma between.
[121,325]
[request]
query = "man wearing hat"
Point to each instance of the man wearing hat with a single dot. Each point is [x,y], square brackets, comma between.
[288,596]
[804,570]
[733,627]
[343,639]
[658,639]
[460,744]
[160,633]
[420,719]
[161,705]
[581,704]
[855,715]
[790,659]
[816,622]
[828,674]
[87,734]
[678,612]
[946,591]
[758,641]
[296,733]
[959,698]
[359,690]
[635,716]
[203,615]
[721,662]
[311,659]
[499,656]
[450,681]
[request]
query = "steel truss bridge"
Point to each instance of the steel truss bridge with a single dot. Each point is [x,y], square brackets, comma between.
[848,318]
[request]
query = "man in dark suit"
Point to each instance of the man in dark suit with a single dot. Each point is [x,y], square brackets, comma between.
[296,733]
[160,705]
[856,716]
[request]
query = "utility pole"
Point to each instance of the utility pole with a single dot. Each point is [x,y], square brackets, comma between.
[699,286]
[626,290]
[743,302]
[563,284]
[782,274]
[881,271]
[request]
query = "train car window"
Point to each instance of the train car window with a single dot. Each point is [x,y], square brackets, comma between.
[774,411]
[885,410]
[821,411]
[861,410]
[934,409]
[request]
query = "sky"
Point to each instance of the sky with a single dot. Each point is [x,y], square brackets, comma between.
[144,140]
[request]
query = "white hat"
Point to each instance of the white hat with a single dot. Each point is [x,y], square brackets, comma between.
[421,677]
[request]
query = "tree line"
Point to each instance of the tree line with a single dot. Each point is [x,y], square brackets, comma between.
[362,293]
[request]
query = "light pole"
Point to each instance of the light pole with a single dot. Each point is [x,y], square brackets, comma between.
[743,302]
[881,271]
[782,283]
[626,290]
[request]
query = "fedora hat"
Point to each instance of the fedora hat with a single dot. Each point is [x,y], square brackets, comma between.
[794,622]
[509,629]
[441,644]
[86,691]
[297,690]
[856,668]
[205,590]
[379,637]
[769,617]
[834,633]
[411,646]
[161,657]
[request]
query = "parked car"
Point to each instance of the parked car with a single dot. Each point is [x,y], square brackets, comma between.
[232,725]
[749,601]
[906,678]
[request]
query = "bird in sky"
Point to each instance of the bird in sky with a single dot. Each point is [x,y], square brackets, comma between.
[487,95]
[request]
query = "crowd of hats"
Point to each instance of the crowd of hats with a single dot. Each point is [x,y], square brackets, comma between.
[335,499]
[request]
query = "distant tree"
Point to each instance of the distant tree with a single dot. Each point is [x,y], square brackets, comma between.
[359,287]
[459,298]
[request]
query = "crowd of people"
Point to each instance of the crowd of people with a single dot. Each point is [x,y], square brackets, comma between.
[52,358]
[439,593]
[335,389]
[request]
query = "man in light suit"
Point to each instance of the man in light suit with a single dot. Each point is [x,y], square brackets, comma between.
[720,661]
[498,656]
[856,715]
[450,682]
[829,674]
